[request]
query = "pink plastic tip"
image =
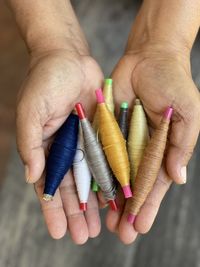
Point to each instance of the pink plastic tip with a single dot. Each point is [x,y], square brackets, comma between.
[83,206]
[113,205]
[127,191]
[80,111]
[131,218]
[168,113]
[99,96]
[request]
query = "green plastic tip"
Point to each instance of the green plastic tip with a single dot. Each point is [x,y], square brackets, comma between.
[95,187]
[108,81]
[124,105]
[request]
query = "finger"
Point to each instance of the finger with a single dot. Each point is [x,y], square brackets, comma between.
[77,224]
[53,212]
[183,137]
[113,217]
[29,142]
[122,88]
[127,232]
[92,216]
[149,210]
[117,221]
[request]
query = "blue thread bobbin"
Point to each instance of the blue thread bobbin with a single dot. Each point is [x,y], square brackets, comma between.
[61,155]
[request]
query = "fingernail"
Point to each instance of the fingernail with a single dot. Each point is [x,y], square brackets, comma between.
[184,174]
[27,174]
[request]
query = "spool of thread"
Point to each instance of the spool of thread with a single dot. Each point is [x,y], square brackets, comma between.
[150,166]
[108,94]
[138,137]
[81,173]
[61,155]
[96,160]
[123,119]
[94,185]
[114,145]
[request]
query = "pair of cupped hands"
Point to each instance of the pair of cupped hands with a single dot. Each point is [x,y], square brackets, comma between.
[158,74]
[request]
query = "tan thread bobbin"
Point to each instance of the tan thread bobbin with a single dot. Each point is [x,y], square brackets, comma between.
[150,166]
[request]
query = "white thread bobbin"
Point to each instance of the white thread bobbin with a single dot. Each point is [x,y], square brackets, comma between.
[82,174]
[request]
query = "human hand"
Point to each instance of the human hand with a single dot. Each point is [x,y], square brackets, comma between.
[55,82]
[159,77]
[61,73]
[156,69]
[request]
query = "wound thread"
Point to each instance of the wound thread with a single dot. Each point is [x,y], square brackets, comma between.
[114,144]
[138,138]
[61,155]
[150,166]
[123,119]
[82,175]
[108,95]
[96,160]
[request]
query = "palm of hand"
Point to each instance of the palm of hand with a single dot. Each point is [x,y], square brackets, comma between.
[159,82]
[58,80]
[54,84]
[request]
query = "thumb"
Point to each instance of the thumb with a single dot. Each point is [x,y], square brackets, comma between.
[30,142]
[182,140]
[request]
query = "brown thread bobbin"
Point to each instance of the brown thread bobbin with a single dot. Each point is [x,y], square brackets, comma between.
[149,167]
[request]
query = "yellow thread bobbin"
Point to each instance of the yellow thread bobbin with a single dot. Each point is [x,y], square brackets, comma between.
[138,137]
[114,145]
[108,94]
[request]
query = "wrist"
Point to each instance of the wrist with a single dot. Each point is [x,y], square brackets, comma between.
[162,24]
[45,40]
[46,27]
